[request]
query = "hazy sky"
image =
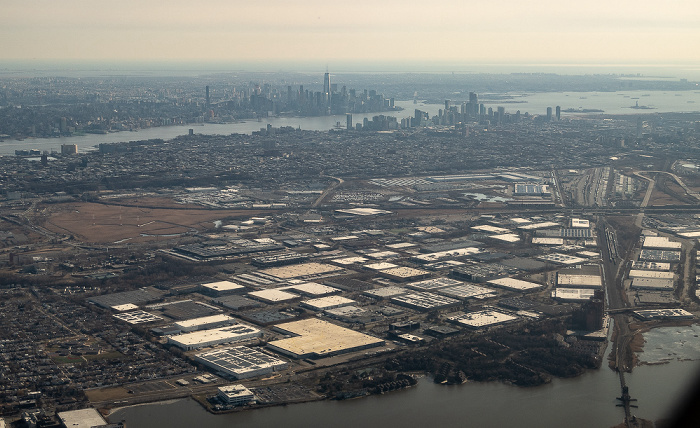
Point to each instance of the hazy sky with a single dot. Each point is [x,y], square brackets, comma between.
[457,31]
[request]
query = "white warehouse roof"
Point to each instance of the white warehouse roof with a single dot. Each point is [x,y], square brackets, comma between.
[192,324]
[223,286]
[661,242]
[515,284]
[215,336]
[328,302]
[481,319]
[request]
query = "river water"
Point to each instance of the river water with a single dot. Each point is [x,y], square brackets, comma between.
[610,102]
[587,401]
[318,123]
[533,103]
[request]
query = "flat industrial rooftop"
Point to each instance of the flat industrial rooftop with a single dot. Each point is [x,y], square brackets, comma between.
[481,319]
[240,361]
[318,338]
[302,270]
[136,297]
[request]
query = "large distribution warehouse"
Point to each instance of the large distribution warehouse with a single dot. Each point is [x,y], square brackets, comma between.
[314,338]
[216,336]
[240,362]
[203,323]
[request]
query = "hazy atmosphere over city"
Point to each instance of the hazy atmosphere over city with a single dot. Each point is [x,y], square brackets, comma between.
[349,214]
[361,34]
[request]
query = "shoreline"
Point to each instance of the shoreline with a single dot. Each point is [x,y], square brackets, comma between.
[28,138]
[201,399]
[637,345]
[106,411]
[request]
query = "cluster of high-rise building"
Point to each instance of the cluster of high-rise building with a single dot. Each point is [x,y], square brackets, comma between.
[94,106]
[473,111]
[266,99]
[331,100]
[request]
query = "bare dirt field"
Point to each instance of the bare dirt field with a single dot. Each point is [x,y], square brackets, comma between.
[99,223]
[659,199]
[105,394]
[150,202]
[668,192]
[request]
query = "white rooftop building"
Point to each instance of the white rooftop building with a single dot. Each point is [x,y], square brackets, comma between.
[235,395]
[577,222]
[425,301]
[401,245]
[675,313]
[350,260]
[481,319]
[83,418]
[467,291]
[661,242]
[579,281]
[433,283]
[539,240]
[274,295]
[404,273]
[241,362]
[311,289]
[386,292]
[635,273]
[652,284]
[216,336]
[380,266]
[317,339]
[507,237]
[203,323]
[137,317]
[573,294]
[328,302]
[380,255]
[563,259]
[442,255]
[541,225]
[125,307]
[515,284]
[491,229]
[651,265]
[222,287]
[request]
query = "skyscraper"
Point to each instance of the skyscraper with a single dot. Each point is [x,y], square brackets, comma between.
[473,106]
[325,101]
[549,114]
[327,86]
[558,113]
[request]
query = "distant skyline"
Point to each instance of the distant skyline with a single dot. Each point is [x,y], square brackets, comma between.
[352,34]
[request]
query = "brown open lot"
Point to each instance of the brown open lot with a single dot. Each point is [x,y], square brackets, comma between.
[107,394]
[659,199]
[93,222]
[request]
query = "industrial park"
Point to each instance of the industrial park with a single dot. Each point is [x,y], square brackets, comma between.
[288,266]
